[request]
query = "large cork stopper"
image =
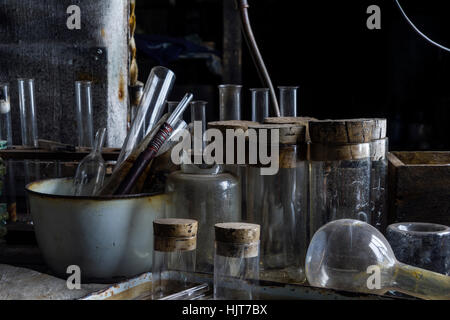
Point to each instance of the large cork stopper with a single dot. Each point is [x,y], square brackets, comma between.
[237,239]
[230,124]
[336,140]
[239,137]
[341,131]
[175,234]
[288,133]
[379,128]
[291,142]
[289,120]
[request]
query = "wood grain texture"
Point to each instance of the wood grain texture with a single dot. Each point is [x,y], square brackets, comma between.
[419,185]
[341,131]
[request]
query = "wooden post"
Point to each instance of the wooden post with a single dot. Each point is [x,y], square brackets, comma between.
[232,44]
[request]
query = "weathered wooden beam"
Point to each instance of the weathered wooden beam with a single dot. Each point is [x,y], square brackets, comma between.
[232,44]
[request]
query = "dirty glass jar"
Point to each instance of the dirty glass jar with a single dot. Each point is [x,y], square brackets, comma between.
[175,243]
[236,261]
[339,171]
[278,202]
[208,195]
[378,176]
[237,144]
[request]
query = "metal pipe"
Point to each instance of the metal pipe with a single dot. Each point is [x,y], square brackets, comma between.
[256,54]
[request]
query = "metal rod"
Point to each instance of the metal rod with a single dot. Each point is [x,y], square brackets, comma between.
[256,54]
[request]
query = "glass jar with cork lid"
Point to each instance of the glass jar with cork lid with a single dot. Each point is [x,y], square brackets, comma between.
[340,165]
[175,244]
[236,260]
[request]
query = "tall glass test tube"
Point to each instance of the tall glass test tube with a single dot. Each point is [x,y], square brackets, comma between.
[230,102]
[83,99]
[198,114]
[151,107]
[260,104]
[288,101]
[28,113]
[5,117]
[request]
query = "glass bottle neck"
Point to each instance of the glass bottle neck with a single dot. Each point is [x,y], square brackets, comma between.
[202,169]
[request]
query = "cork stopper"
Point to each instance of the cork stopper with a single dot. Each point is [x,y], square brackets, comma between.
[175,234]
[288,133]
[289,120]
[237,232]
[345,131]
[230,124]
[175,228]
[237,239]
[379,128]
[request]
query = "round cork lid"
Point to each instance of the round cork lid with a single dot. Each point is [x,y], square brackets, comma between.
[341,131]
[379,128]
[175,228]
[288,120]
[288,133]
[231,124]
[237,232]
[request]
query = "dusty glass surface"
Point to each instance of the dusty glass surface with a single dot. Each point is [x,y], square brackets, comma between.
[279,204]
[339,190]
[209,198]
[378,189]
[171,261]
[232,274]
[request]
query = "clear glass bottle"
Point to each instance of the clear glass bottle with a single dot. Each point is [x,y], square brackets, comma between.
[378,176]
[236,261]
[175,244]
[230,102]
[83,98]
[339,171]
[279,203]
[151,107]
[5,117]
[28,113]
[260,104]
[208,195]
[288,101]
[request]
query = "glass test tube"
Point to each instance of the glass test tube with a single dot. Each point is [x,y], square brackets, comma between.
[288,101]
[230,102]
[83,98]
[5,117]
[260,104]
[28,113]
[151,107]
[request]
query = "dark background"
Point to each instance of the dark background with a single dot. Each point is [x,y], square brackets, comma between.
[344,70]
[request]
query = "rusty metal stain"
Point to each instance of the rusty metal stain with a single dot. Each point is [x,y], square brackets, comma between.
[103,32]
[121,87]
